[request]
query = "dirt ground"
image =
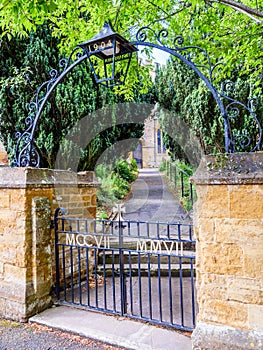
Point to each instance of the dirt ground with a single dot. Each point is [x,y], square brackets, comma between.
[26,336]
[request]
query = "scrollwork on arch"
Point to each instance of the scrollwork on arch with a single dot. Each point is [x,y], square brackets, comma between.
[190,52]
[246,129]
[242,128]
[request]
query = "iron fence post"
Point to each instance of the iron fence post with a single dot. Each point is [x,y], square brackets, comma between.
[182,183]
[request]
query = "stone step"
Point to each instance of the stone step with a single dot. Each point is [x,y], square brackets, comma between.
[134,269]
[132,257]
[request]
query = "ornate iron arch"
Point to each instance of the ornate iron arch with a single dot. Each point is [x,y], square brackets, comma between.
[27,153]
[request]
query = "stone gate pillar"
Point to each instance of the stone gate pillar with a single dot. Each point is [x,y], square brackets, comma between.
[229,230]
[28,197]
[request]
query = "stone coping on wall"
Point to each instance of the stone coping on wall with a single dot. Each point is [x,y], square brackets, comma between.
[45,178]
[230,169]
[218,337]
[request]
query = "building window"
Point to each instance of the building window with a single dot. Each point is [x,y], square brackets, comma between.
[160,146]
[159,141]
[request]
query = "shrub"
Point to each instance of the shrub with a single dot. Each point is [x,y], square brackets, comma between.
[115,184]
[125,170]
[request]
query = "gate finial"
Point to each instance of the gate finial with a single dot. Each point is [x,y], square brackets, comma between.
[119,209]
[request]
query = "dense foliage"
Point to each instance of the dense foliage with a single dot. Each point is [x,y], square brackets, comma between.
[185,97]
[229,30]
[25,65]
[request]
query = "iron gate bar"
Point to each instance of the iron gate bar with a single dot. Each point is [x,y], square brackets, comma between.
[153,294]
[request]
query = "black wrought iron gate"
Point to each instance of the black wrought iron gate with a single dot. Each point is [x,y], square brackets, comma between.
[143,270]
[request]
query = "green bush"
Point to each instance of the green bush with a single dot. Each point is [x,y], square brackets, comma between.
[134,166]
[185,167]
[125,170]
[120,187]
[162,166]
[115,184]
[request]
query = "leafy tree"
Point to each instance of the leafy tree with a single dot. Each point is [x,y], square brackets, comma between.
[228,28]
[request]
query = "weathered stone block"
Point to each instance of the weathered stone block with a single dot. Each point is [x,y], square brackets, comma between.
[255,317]
[15,310]
[221,258]
[94,200]
[213,286]
[245,290]
[213,201]
[205,230]
[18,199]
[13,290]
[253,262]
[87,190]
[5,201]
[223,312]
[239,231]
[8,254]
[86,198]
[7,216]
[245,201]
[14,273]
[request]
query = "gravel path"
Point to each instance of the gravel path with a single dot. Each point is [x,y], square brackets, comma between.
[17,336]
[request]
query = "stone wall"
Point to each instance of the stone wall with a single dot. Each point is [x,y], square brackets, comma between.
[229,230]
[28,198]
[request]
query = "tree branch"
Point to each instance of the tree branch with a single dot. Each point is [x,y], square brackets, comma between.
[238,6]
[171,14]
[5,4]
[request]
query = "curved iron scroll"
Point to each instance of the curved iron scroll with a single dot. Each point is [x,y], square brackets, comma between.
[27,153]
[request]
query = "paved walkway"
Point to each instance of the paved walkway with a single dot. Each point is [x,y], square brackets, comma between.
[117,331]
[150,200]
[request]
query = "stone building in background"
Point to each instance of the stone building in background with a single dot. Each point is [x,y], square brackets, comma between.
[3,156]
[151,151]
